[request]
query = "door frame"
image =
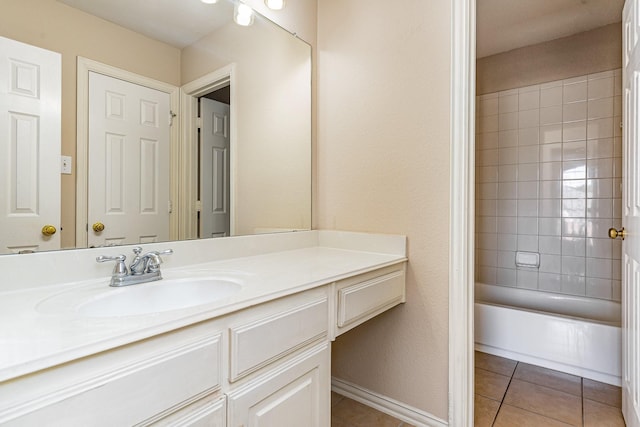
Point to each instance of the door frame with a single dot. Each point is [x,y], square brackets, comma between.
[462,212]
[189,94]
[84,66]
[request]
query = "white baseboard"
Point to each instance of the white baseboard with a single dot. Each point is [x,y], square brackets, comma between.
[385,404]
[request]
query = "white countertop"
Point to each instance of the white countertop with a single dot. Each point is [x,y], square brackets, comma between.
[34,337]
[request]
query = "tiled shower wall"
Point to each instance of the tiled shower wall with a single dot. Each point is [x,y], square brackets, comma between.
[548,180]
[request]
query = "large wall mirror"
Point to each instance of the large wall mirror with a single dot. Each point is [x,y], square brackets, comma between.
[220,144]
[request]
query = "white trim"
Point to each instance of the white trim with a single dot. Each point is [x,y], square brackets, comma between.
[461,228]
[84,66]
[188,185]
[385,404]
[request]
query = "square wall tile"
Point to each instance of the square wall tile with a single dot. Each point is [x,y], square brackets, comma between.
[599,288]
[487,258]
[530,118]
[529,136]
[550,170]
[527,279]
[600,148]
[507,242]
[529,100]
[528,154]
[600,208]
[527,226]
[486,275]
[600,168]
[488,140]
[600,108]
[487,174]
[575,131]
[551,152]
[507,207]
[574,92]
[528,172]
[599,268]
[528,243]
[506,277]
[574,227]
[508,138]
[599,248]
[548,134]
[575,150]
[528,208]
[574,169]
[573,246]
[507,156]
[573,285]
[508,103]
[550,264]
[550,96]
[550,227]
[551,115]
[550,282]
[550,245]
[573,266]
[550,189]
[507,225]
[488,106]
[487,191]
[573,208]
[528,190]
[574,189]
[600,128]
[601,88]
[598,228]
[506,259]
[508,121]
[507,190]
[507,173]
[550,208]
[488,124]
[574,112]
[486,241]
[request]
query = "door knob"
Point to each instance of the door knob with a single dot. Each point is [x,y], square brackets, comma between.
[49,230]
[613,233]
[98,227]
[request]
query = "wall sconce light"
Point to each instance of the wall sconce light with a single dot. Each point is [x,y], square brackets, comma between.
[274,4]
[243,15]
[209,1]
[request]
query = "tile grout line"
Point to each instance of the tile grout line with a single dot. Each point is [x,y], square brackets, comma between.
[582,398]
[495,418]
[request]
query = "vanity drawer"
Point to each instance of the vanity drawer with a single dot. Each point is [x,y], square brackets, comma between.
[262,341]
[365,296]
[136,391]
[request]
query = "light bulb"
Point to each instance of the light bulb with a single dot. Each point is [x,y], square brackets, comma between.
[274,4]
[209,1]
[243,15]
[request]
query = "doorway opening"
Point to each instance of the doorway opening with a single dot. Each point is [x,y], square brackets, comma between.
[214,183]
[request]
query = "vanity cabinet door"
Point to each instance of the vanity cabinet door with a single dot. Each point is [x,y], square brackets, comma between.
[295,394]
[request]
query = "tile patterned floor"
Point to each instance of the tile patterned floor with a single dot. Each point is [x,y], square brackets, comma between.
[349,413]
[510,393]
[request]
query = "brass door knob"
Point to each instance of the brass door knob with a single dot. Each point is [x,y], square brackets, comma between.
[98,227]
[49,230]
[613,233]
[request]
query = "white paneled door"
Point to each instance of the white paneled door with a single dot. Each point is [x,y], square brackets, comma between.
[214,169]
[129,163]
[30,104]
[631,215]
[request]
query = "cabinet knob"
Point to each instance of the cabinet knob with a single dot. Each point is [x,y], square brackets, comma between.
[98,227]
[49,230]
[613,233]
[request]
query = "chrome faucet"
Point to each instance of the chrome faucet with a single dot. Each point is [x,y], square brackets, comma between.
[143,268]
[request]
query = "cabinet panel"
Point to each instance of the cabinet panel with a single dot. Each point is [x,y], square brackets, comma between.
[257,343]
[364,297]
[135,392]
[207,412]
[296,394]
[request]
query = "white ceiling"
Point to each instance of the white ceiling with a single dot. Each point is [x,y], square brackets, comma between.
[504,25]
[176,22]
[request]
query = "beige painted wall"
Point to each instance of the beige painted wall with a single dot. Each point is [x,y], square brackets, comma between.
[585,53]
[55,26]
[383,166]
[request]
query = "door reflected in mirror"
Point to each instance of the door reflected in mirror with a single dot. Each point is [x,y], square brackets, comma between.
[259,180]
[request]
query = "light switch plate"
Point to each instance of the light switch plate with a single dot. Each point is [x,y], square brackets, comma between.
[65,165]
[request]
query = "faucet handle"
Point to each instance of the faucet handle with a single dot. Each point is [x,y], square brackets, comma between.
[120,269]
[155,260]
[137,250]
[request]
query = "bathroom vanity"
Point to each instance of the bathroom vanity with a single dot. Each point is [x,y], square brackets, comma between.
[257,352]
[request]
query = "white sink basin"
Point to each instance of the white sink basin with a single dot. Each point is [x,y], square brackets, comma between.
[159,296]
[142,299]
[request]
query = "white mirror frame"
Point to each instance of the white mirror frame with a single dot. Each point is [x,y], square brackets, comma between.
[84,66]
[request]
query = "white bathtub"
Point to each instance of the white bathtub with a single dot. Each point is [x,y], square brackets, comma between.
[577,335]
